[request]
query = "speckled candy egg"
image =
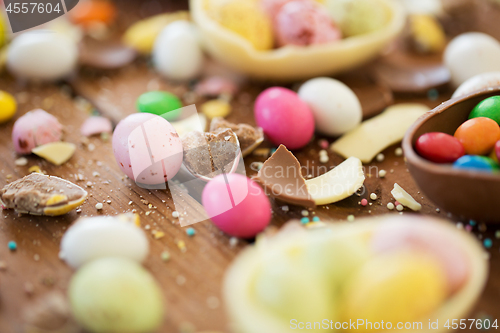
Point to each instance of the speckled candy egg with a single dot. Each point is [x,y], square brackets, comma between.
[478,82]
[335,107]
[239,207]
[134,136]
[284,117]
[471,54]
[42,55]
[91,238]
[177,53]
[35,128]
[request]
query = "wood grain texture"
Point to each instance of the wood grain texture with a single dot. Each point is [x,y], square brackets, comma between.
[191,281]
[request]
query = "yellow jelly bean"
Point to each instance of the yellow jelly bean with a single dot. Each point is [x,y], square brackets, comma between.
[427,33]
[246,18]
[8,106]
[395,287]
[142,34]
[216,108]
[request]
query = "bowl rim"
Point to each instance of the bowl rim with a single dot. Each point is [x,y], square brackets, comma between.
[444,169]
[393,27]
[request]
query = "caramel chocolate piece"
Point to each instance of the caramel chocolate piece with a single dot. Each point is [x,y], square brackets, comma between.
[248,136]
[281,177]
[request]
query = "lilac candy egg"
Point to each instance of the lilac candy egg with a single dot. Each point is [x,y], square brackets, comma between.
[147,148]
[238,207]
[35,128]
[284,117]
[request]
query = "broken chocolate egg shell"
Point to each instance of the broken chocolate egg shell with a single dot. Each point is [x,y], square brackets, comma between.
[39,194]
[249,137]
[251,317]
[464,193]
[209,154]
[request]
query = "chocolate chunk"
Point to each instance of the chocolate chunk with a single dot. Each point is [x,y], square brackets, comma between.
[281,177]
[248,136]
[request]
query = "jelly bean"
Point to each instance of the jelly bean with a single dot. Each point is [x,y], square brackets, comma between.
[93,11]
[284,117]
[216,108]
[472,162]
[160,103]
[497,150]
[236,205]
[478,135]
[8,106]
[439,147]
[489,108]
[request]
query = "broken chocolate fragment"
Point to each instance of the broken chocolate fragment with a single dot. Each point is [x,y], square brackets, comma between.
[248,136]
[281,177]
[39,194]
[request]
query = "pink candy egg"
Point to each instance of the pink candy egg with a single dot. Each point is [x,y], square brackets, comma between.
[138,135]
[284,117]
[96,125]
[419,234]
[439,147]
[238,207]
[35,128]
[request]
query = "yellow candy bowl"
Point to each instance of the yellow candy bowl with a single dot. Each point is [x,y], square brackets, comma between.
[248,315]
[291,63]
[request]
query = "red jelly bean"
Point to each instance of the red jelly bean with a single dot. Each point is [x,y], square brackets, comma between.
[439,147]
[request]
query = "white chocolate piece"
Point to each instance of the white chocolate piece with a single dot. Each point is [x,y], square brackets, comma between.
[104,236]
[404,198]
[378,133]
[338,183]
[195,122]
[56,153]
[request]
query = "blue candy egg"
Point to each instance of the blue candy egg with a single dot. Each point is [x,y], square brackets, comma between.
[474,162]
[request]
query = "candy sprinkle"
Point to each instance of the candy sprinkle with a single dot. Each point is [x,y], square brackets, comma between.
[364,202]
[382,173]
[488,243]
[497,234]
[390,206]
[99,206]
[350,218]
[398,152]
[373,196]
[316,219]
[304,212]
[304,220]
[182,246]
[12,245]
[380,157]
[190,232]
[399,208]
[159,234]
[165,256]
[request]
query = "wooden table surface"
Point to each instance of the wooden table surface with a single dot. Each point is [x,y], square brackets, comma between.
[191,281]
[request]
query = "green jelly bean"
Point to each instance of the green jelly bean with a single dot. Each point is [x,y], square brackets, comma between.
[161,103]
[489,108]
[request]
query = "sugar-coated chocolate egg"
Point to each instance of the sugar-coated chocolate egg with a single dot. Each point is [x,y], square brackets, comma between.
[478,82]
[489,108]
[236,205]
[91,238]
[335,107]
[439,147]
[91,12]
[161,103]
[42,55]
[470,54]
[8,106]
[476,163]
[177,53]
[140,133]
[478,135]
[284,117]
[35,128]
[116,295]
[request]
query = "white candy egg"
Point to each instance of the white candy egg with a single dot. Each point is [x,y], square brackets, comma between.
[177,53]
[42,55]
[471,54]
[335,107]
[103,236]
[478,82]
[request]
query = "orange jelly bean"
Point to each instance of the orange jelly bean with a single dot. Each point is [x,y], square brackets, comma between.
[88,12]
[478,135]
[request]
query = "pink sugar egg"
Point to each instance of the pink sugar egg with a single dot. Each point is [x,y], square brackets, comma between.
[422,234]
[96,125]
[239,207]
[284,117]
[138,135]
[35,128]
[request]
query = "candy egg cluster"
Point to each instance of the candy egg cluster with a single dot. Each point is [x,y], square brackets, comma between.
[475,144]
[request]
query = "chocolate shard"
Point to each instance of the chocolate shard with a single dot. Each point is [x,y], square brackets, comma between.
[282,179]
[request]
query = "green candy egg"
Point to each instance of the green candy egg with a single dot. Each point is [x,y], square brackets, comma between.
[111,295]
[488,108]
[161,103]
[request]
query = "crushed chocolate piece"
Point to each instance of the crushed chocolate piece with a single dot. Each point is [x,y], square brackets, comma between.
[281,178]
[248,136]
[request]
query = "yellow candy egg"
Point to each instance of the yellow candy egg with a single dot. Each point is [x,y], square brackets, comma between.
[246,18]
[216,108]
[8,106]
[427,33]
[395,287]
